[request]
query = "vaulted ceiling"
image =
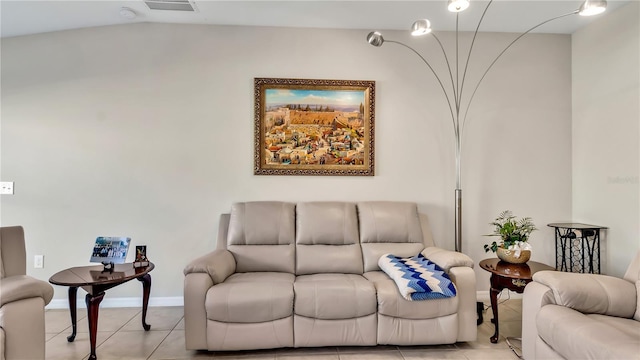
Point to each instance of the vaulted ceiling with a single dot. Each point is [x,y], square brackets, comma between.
[23,17]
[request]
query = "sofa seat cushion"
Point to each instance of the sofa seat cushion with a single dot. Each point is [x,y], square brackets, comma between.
[334,296]
[391,303]
[251,298]
[575,335]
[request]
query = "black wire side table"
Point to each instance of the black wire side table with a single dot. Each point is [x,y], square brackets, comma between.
[577,247]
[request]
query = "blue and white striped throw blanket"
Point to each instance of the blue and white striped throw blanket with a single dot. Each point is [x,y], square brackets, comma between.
[417,277]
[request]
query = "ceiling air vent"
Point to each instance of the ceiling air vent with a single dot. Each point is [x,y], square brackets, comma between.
[175,5]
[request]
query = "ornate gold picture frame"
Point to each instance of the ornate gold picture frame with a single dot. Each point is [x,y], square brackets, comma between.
[314,127]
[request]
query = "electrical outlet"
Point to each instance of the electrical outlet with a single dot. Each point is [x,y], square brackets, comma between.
[38,261]
[6,187]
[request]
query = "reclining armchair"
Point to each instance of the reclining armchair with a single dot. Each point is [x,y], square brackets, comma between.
[22,301]
[582,316]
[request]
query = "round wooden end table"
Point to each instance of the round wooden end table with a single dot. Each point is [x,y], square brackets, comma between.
[508,276]
[95,281]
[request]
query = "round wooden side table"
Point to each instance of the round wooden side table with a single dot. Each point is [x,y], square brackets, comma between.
[508,276]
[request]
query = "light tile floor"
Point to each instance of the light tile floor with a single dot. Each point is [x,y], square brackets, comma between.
[120,336]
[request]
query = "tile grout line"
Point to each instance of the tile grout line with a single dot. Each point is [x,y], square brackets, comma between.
[401,354]
[165,338]
[115,332]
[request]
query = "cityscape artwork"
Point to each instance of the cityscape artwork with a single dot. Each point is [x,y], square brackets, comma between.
[314,127]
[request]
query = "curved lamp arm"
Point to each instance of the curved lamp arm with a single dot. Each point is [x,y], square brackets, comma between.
[466,111]
[475,34]
[444,91]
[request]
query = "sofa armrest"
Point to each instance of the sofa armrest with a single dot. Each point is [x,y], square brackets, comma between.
[536,296]
[219,264]
[20,287]
[591,293]
[465,279]
[199,276]
[459,267]
[447,259]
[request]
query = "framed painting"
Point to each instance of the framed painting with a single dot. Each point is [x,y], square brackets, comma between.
[314,127]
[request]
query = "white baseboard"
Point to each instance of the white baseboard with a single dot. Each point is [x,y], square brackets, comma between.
[119,302]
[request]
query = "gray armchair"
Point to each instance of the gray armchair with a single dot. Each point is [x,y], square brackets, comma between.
[22,301]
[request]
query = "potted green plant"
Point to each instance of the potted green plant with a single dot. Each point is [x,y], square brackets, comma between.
[514,234]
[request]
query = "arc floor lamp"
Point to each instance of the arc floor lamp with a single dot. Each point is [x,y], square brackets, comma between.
[456,102]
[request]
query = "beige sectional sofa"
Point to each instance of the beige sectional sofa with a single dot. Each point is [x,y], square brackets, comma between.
[582,316]
[306,274]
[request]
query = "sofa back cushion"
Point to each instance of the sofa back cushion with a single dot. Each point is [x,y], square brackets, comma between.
[389,227]
[13,255]
[633,275]
[261,236]
[327,238]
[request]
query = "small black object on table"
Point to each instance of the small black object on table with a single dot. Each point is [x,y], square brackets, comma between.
[95,280]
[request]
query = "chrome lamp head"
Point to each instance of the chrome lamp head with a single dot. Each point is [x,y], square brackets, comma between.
[592,7]
[421,27]
[375,38]
[457,5]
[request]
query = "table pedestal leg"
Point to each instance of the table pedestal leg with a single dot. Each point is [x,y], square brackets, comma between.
[479,309]
[494,307]
[93,305]
[73,291]
[146,289]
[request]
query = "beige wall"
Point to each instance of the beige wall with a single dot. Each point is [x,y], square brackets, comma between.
[606,132]
[146,130]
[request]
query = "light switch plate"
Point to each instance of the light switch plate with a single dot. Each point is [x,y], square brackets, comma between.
[38,261]
[6,188]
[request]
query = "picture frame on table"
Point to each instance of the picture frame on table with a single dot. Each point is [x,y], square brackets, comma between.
[141,259]
[110,249]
